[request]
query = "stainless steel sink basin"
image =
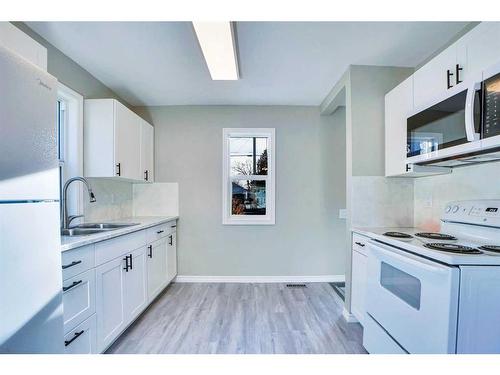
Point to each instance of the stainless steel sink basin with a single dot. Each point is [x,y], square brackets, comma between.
[104,225]
[81,231]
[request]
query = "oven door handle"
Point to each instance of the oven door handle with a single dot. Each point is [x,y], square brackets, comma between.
[470,129]
[406,258]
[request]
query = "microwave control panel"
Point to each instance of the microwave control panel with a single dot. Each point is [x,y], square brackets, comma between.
[491,115]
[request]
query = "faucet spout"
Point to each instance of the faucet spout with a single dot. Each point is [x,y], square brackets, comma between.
[66,218]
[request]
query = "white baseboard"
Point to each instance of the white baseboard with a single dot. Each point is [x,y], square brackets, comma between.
[260,279]
[349,317]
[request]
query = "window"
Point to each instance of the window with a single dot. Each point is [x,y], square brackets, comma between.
[70,144]
[248,176]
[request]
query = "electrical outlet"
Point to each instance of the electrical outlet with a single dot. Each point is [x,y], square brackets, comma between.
[342,213]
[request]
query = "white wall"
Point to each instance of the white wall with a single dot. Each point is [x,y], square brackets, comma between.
[472,182]
[308,238]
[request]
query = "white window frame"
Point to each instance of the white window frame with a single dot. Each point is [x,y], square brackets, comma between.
[72,145]
[270,178]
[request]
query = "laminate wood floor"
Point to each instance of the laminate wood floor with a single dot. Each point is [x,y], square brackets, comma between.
[242,318]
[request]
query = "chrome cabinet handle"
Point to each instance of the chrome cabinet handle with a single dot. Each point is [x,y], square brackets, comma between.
[71,264]
[360,244]
[146,175]
[170,240]
[77,334]
[150,247]
[75,283]
[119,171]
[160,231]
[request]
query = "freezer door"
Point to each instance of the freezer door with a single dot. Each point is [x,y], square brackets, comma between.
[28,141]
[30,279]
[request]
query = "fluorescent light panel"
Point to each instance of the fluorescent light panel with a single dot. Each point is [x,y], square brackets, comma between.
[218,46]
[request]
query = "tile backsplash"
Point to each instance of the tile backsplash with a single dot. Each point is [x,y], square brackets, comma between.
[480,181]
[114,200]
[381,202]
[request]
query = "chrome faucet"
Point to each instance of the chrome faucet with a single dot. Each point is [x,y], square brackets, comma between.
[67,219]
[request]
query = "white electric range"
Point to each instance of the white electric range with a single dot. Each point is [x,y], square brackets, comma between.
[436,292]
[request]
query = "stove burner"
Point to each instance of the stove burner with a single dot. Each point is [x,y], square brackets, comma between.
[397,235]
[452,248]
[494,248]
[435,236]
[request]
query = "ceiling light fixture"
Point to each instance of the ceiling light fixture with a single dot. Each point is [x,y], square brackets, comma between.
[217,42]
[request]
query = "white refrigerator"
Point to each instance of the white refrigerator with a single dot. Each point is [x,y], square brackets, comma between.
[30,259]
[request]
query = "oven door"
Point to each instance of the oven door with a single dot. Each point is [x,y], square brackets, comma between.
[448,128]
[413,299]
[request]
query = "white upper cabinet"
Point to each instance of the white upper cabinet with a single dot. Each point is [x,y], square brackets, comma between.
[113,141]
[436,77]
[147,151]
[127,142]
[482,46]
[398,106]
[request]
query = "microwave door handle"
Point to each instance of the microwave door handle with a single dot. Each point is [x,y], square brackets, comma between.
[469,113]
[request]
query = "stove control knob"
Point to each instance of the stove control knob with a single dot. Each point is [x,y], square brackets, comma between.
[455,209]
[448,209]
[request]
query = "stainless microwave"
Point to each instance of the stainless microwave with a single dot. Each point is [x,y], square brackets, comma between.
[465,122]
[449,127]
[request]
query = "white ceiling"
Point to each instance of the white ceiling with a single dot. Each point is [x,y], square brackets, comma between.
[281,63]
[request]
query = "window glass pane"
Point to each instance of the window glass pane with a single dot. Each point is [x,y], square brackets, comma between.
[248,155]
[401,284]
[248,197]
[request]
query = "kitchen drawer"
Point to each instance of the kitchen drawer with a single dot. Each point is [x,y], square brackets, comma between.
[77,261]
[359,243]
[116,247]
[377,341]
[82,339]
[78,299]
[160,231]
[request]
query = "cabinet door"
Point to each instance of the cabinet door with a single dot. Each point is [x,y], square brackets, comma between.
[172,257]
[147,151]
[398,106]
[134,286]
[157,267]
[430,81]
[482,48]
[358,285]
[110,302]
[127,143]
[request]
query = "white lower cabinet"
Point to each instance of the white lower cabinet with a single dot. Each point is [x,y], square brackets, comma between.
[135,297]
[78,298]
[172,257]
[130,271]
[110,302]
[82,339]
[157,267]
[358,277]
[121,295]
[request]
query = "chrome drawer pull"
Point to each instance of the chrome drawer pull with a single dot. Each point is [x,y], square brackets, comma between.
[75,283]
[160,231]
[360,244]
[71,264]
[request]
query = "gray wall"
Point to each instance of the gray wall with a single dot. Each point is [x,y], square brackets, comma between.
[368,86]
[308,238]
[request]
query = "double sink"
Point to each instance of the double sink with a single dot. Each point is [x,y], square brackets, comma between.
[93,228]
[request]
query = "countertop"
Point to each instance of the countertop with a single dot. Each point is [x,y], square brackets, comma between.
[68,243]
